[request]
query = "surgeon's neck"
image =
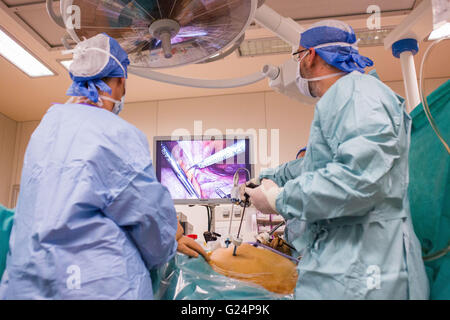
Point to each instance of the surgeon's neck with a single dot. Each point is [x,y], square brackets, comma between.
[325,84]
[107,105]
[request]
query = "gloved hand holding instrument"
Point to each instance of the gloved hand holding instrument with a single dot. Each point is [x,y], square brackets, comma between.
[245,203]
[252,183]
[262,196]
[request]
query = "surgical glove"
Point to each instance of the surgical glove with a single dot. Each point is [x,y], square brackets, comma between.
[264,196]
[263,238]
[191,248]
[254,181]
[280,245]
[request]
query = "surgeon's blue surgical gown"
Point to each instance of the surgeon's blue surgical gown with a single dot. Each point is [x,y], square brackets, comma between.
[91,217]
[351,191]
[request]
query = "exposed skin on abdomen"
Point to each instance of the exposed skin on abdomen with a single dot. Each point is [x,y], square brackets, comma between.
[256,265]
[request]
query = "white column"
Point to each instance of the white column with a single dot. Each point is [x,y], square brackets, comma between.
[410,80]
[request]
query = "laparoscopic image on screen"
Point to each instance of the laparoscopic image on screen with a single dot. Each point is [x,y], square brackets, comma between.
[201,169]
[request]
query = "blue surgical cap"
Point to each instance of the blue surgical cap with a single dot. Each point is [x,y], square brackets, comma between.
[340,48]
[94,59]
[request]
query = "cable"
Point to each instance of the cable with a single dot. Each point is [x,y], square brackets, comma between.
[438,254]
[423,98]
[427,111]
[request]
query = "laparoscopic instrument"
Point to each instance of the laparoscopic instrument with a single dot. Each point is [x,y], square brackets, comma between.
[180,174]
[277,227]
[236,199]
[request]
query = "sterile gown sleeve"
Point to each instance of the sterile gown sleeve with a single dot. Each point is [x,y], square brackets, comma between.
[283,173]
[145,210]
[359,126]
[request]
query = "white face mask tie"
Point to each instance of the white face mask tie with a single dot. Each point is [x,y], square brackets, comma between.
[118,104]
[302,83]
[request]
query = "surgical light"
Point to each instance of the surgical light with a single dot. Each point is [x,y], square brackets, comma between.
[161,34]
[21,58]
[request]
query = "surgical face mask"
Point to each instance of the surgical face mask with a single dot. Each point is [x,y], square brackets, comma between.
[118,104]
[303,83]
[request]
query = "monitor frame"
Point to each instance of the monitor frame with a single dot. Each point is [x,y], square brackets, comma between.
[205,138]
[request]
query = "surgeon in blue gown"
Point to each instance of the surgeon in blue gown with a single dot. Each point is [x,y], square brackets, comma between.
[91,218]
[351,188]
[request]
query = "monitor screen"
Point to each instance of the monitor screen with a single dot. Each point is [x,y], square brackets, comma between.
[200,170]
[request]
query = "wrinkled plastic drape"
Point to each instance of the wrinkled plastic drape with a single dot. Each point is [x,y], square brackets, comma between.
[185,278]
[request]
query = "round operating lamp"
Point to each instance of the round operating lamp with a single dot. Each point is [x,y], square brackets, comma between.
[163,33]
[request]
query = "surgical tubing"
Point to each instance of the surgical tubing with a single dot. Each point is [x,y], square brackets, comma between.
[423,98]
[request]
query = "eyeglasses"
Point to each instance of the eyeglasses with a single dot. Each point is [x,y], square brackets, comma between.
[298,52]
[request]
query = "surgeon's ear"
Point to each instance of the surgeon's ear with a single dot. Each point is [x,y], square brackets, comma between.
[311,58]
[122,85]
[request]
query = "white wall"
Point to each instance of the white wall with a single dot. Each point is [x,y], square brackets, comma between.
[8,129]
[261,110]
[250,112]
[23,135]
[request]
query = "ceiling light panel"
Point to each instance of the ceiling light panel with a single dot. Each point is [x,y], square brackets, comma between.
[269,46]
[21,58]
[263,47]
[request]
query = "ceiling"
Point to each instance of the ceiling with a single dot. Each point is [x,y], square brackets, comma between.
[321,9]
[32,14]
[24,99]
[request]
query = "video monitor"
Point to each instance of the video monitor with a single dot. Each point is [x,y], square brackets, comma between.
[200,170]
